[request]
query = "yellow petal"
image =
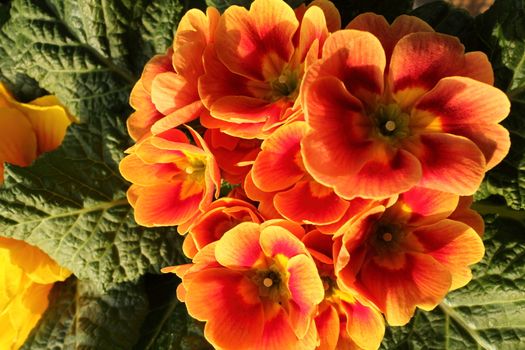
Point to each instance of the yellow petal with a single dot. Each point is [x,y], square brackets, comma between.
[37,265]
[17,138]
[49,123]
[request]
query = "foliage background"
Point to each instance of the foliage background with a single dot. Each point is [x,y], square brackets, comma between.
[71,202]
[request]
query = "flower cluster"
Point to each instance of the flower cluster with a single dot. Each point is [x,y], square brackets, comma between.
[26,273]
[346,160]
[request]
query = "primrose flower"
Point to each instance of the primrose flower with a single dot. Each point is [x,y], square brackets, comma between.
[29,129]
[408,255]
[278,169]
[173,180]
[346,319]
[234,155]
[26,277]
[166,95]
[219,217]
[381,123]
[255,67]
[257,287]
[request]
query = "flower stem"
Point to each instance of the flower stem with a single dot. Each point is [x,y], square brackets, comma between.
[487,207]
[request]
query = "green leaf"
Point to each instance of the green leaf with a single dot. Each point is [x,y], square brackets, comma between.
[447,19]
[485,314]
[71,203]
[502,29]
[89,53]
[82,317]
[167,325]
[388,8]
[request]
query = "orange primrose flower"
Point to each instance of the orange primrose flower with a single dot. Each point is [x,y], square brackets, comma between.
[172,180]
[257,287]
[220,216]
[381,123]
[279,169]
[408,255]
[346,319]
[29,129]
[255,67]
[166,95]
[234,155]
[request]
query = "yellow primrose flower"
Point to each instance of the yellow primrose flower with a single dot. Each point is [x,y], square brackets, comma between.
[26,277]
[26,273]
[29,129]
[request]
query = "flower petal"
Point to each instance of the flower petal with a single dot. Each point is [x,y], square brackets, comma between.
[469,108]
[455,245]
[365,325]
[257,43]
[278,165]
[422,206]
[450,163]
[240,247]
[167,204]
[419,61]
[397,288]
[389,35]
[18,143]
[230,304]
[306,289]
[277,240]
[310,203]
[327,323]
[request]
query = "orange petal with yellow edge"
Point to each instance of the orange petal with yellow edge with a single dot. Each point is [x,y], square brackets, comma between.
[365,325]
[455,245]
[362,74]
[419,61]
[469,108]
[229,303]
[277,240]
[257,43]
[399,284]
[310,203]
[449,163]
[466,215]
[278,165]
[422,206]
[327,323]
[167,204]
[240,247]
[388,34]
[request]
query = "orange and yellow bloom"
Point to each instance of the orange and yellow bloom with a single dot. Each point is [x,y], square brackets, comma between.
[351,157]
[264,286]
[173,180]
[425,115]
[255,67]
[408,255]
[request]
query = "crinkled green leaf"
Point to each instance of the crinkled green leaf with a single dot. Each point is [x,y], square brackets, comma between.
[502,29]
[485,314]
[72,204]
[447,19]
[88,53]
[82,317]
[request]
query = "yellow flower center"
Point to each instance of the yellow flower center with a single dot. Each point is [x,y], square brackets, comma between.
[273,280]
